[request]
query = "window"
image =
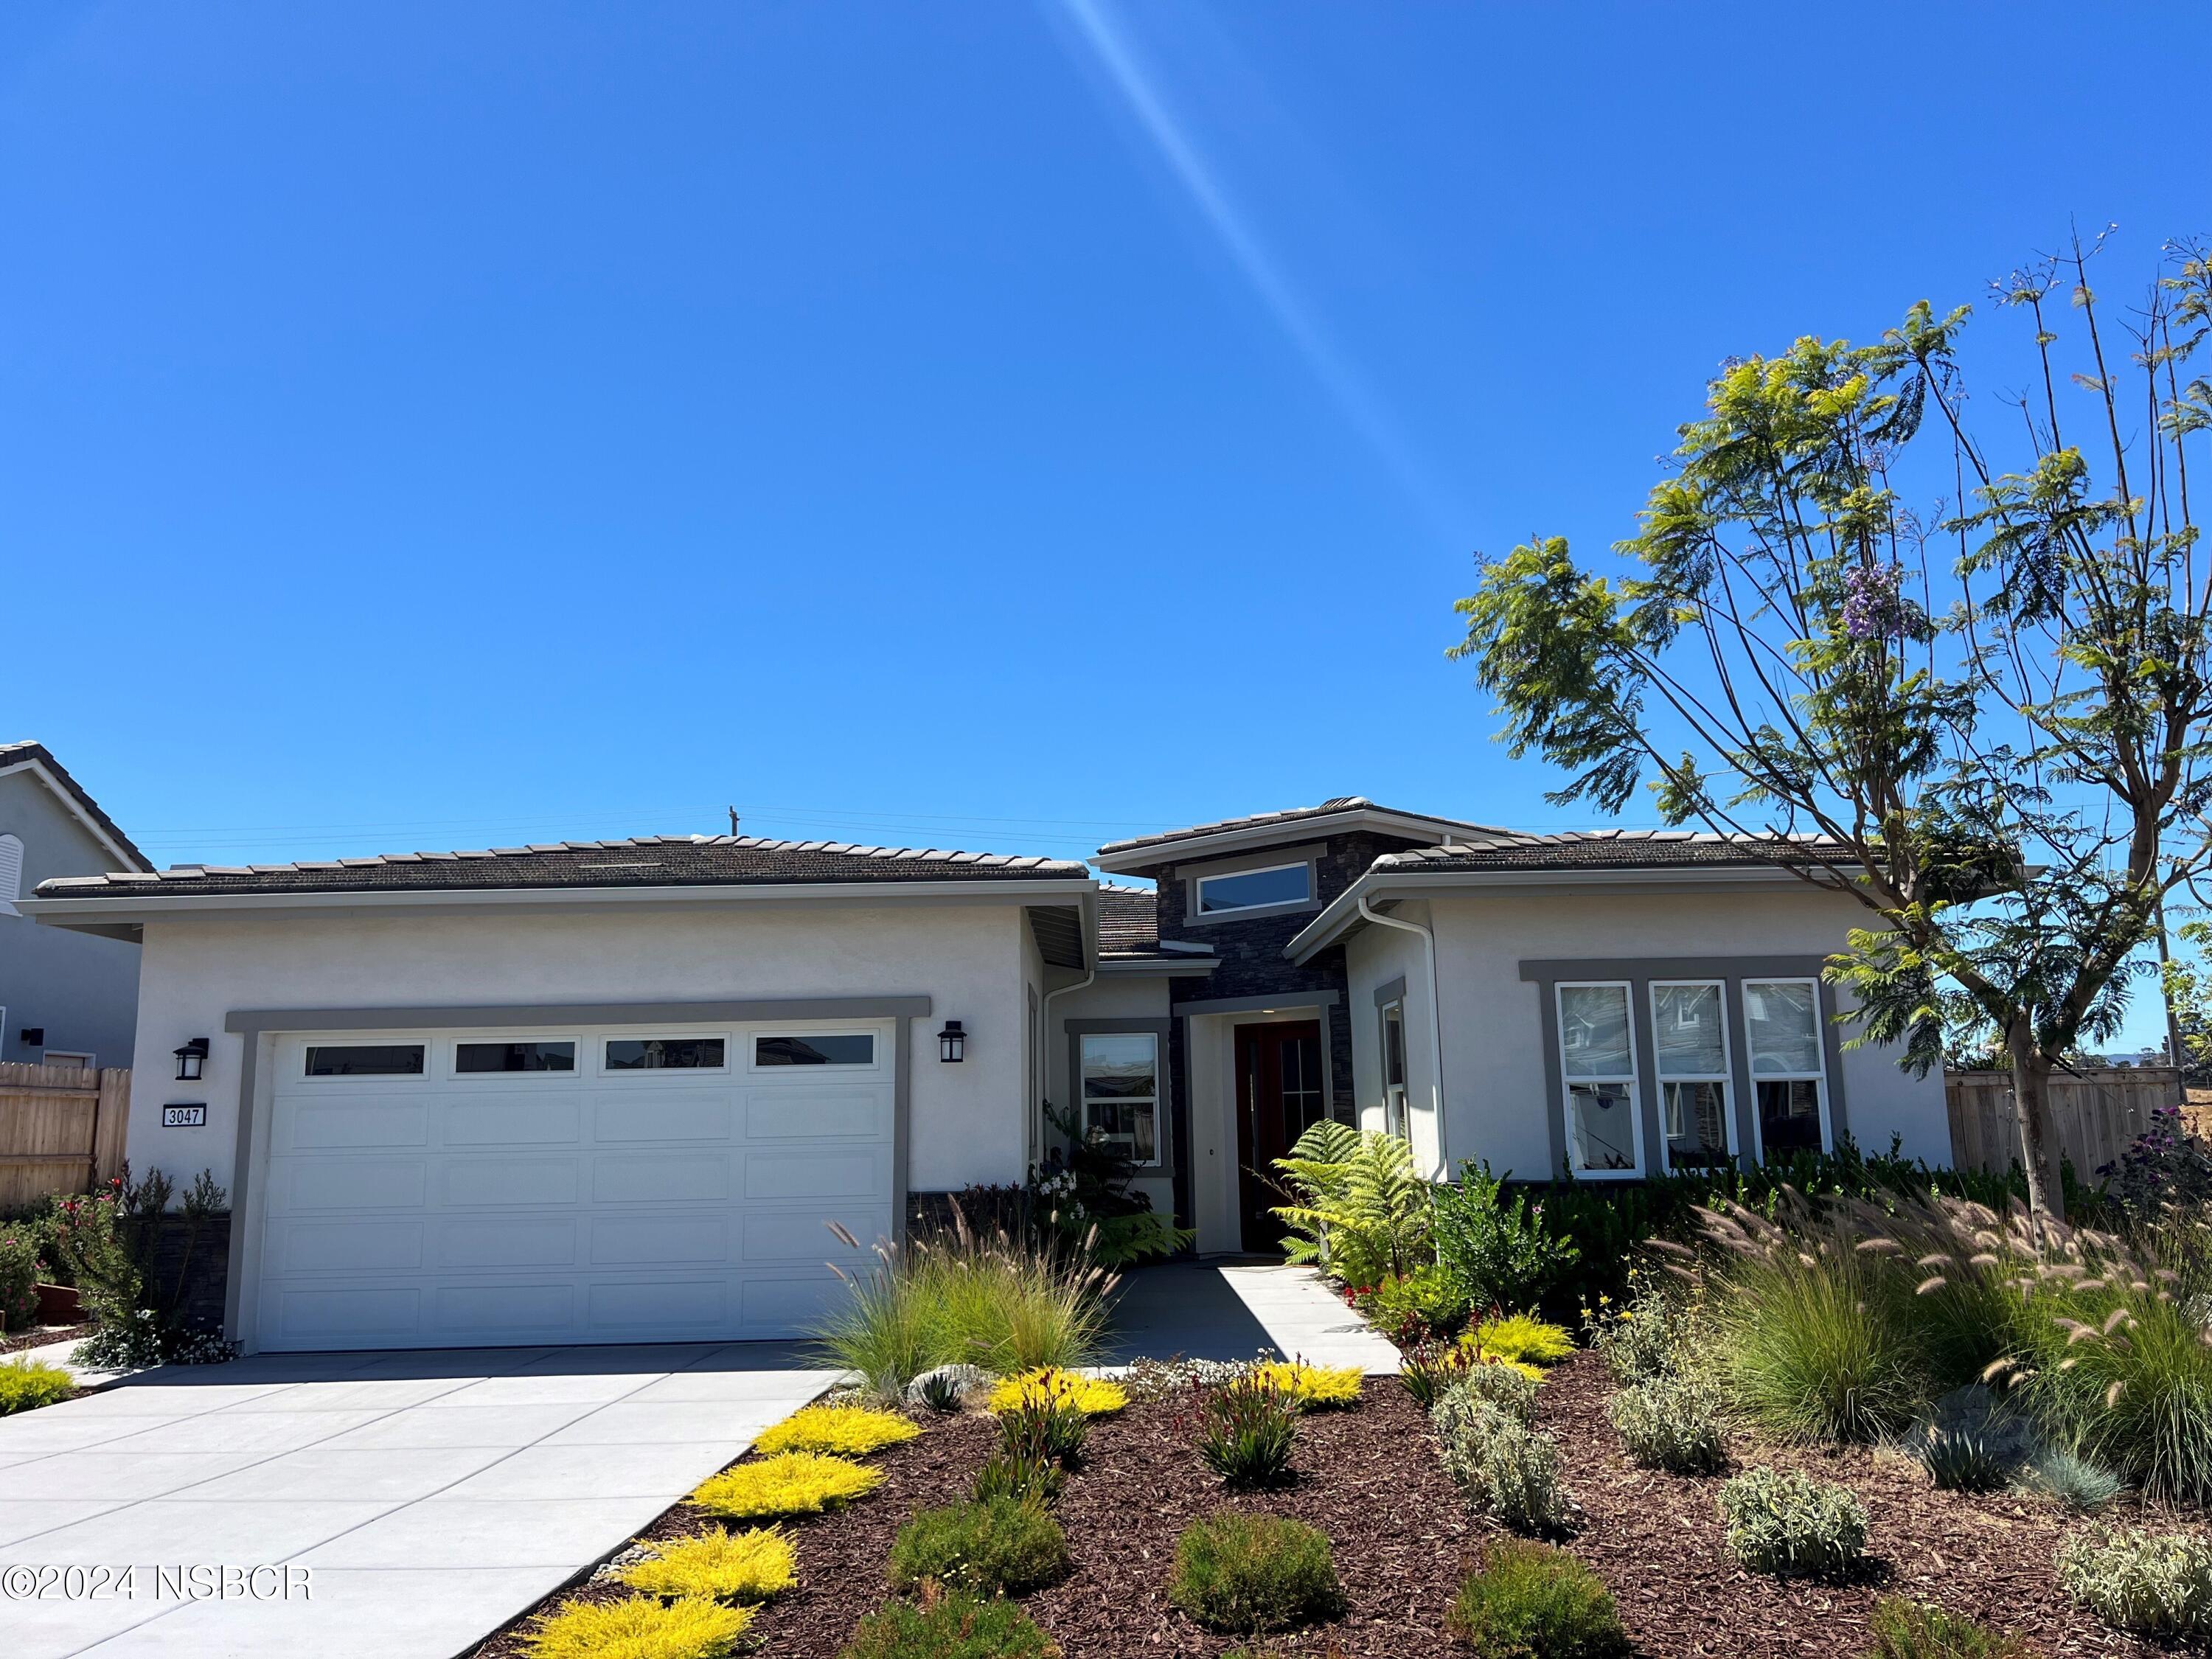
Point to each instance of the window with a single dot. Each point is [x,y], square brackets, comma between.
[1689,1041]
[67,1062]
[1789,1065]
[11,875]
[478,1057]
[1121,1092]
[365,1060]
[1395,1115]
[1597,1065]
[1248,890]
[664,1054]
[854,1048]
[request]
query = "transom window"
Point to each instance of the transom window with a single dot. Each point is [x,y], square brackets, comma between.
[1597,1065]
[1248,890]
[1689,1043]
[1121,1092]
[664,1054]
[364,1060]
[476,1058]
[1789,1069]
[838,1048]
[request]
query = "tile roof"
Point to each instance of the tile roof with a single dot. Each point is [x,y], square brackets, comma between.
[1128,921]
[1610,849]
[15,754]
[1290,816]
[646,861]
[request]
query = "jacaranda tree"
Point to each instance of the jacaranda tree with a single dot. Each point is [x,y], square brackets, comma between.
[1960,667]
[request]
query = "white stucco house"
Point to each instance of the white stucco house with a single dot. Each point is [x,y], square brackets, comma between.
[615,1090]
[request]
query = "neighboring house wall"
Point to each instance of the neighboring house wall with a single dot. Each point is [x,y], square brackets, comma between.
[82,991]
[1502,1100]
[966,1120]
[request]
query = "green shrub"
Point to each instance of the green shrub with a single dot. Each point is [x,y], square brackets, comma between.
[1410,1307]
[1904,1629]
[18,1276]
[1254,1572]
[1790,1524]
[1004,1304]
[1360,1210]
[1496,1251]
[1511,1392]
[2158,1585]
[2074,1481]
[1428,1368]
[949,1626]
[989,1547]
[1648,1336]
[25,1386]
[1670,1422]
[1024,1479]
[1959,1460]
[1247,1429]
[1503,1465]
[1532,1602]
[1040,1429]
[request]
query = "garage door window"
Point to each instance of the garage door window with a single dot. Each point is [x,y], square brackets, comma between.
[664,1054]
[365,1060]
[839,1048]
[473,1058]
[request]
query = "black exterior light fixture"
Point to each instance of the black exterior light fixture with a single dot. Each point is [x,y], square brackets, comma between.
[952,1043]
[192,1060]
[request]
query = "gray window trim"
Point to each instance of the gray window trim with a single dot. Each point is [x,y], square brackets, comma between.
[260,1027]
[1190,875]
[1639,972]
[1076,1029]
[1394,991]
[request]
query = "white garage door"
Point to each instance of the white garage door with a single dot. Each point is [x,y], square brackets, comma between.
[617,1184]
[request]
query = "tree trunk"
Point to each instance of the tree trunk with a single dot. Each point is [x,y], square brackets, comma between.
[2038,1135]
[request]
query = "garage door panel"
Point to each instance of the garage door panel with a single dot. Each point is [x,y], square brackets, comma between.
[320,1183]
[805,1113]
[308,1316]
[621,1310]
[472,1182]
[804,1235]
[625,1119]
[857,1172]
[504,1241]
[353,1120]
[512,1122]
[352,1248]
[628,1241]
[775,1305]
[688,1178]
[516,1311]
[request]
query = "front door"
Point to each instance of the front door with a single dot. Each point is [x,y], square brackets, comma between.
[1279,1094]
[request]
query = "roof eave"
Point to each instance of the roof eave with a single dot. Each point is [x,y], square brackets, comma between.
[1138,857]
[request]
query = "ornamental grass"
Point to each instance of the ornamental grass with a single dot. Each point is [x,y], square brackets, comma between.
[718,1566]
[640,1627]
[789,1483]
[1069,1390]
[845,1430]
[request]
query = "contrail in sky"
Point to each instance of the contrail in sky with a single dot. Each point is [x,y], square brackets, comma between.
[1114,55]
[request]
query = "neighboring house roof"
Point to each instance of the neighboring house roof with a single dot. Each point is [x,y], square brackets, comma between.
[1611,849]
[1128,921]
[1334,816]
[646,861]
[39,760]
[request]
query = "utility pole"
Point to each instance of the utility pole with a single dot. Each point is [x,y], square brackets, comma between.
[733,820]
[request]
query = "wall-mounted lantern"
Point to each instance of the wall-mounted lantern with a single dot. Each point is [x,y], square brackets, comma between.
[192,1060]
[952,1042]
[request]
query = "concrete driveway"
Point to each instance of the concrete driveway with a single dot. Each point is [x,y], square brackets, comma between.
[401,1505]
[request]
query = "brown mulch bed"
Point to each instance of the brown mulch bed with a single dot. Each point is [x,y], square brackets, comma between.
[39,1335]
[1370,1480]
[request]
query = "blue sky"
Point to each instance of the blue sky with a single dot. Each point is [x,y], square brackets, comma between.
[1001,425]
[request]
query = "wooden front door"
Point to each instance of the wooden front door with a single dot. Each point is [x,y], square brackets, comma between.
[1279,1094]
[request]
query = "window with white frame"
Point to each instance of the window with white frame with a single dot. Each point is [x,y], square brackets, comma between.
[1395,1115]
[1597,1070]
[11,875]
[1248,890]
[1121,1092]
[1788,1064]
[1689,1049]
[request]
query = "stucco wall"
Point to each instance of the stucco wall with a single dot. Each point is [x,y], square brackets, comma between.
[1498,1098]
[81,990]
[1374,957]
[1110,996]
[967,1119]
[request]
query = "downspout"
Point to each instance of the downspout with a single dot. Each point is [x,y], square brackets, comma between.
[1436,1021]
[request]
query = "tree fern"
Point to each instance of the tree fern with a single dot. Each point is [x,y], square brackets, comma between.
[1361,1211]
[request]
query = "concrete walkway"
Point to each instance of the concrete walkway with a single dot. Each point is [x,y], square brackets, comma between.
[1234,1310]
[411,1503]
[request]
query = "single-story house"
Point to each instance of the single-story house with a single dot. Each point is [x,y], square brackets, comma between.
[614,1090]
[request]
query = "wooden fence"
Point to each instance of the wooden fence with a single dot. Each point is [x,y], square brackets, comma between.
[61,1130]
[2098,1114]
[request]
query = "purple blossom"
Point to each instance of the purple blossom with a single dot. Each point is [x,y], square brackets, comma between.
[1874,608]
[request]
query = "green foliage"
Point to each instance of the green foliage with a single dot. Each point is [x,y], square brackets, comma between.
[1247,1429]
[1648,1337]
[1502,1464]
[1040,1429]
[25,1386]
[1495,1249]
[1671,1422]
[1415,1307]
[1087,1204]
[2151,1584]
[1003,1303]
[1429,1367]
[19,1277]
[1254,1572]
[949,1626]
[1121,1241]
[1359,1213]
[1787,1523]
[104,1242]
[1531,1601]
[1904,1629]
[2074,1481]
[986,1546]
[1024,1479]
[1512,1391]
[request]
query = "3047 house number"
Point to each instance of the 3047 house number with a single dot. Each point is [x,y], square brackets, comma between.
[183,1117]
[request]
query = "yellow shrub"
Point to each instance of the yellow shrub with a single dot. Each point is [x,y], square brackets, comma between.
[1521,1336]
[1312,1387]
[1092,1396]
[639,1628]
[26,1386]
[720,1566]
[847,1431]
[791,1483]
[1473,1352]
